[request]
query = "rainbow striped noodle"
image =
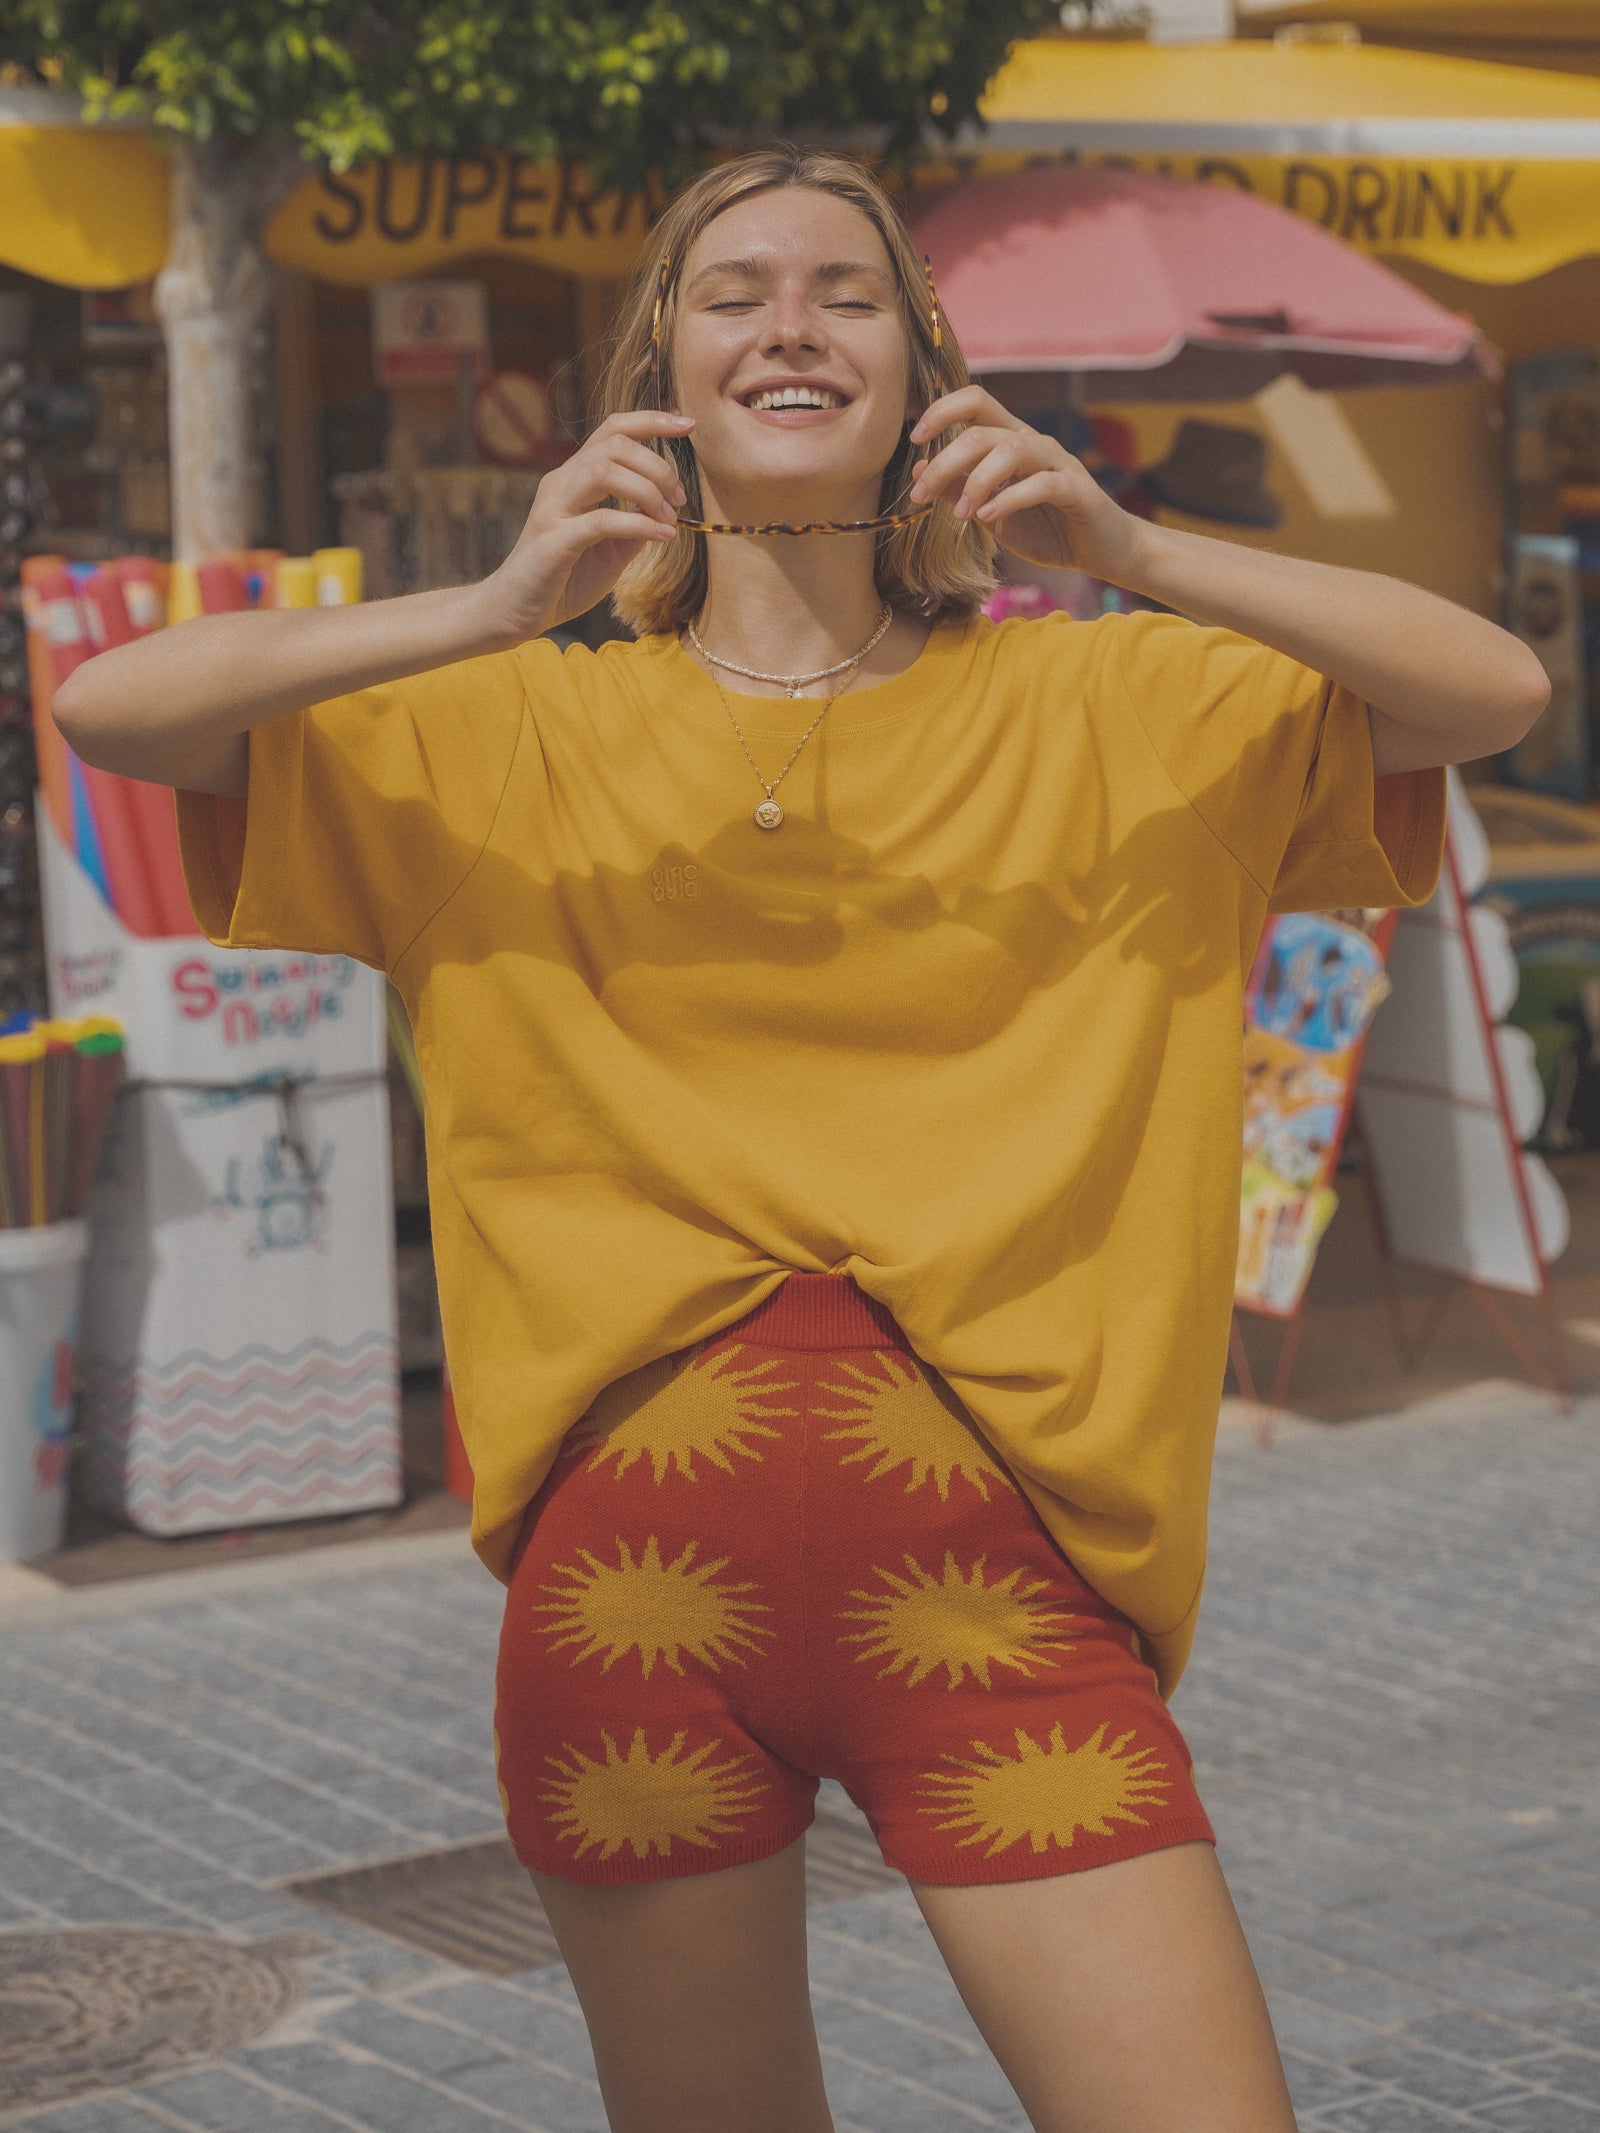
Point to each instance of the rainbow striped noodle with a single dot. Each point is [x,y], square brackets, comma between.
[209,1441]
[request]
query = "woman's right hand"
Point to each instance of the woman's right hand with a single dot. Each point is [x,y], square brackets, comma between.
[590,517]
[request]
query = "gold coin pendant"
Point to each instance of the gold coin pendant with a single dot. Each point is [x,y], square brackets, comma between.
[768,815]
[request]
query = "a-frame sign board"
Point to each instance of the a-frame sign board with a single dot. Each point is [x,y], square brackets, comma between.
[1447,1096]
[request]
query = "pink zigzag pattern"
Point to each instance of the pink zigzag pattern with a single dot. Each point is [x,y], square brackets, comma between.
[197,1417]
[213,1384]
[257,1435]
[256,1459]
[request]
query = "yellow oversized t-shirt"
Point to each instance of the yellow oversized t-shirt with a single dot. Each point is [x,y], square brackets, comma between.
[966,1027]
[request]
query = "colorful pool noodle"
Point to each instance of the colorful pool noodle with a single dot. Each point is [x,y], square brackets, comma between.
[50,750]
[144,589]
[138,820]
[222,586]
[125,863]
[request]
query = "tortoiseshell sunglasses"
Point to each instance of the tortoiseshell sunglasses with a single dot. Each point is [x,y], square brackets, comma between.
[887,524]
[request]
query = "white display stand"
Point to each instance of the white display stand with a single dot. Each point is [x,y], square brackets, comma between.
[239,1361]
[1449,1095]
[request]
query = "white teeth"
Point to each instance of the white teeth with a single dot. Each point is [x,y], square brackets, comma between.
[794,396]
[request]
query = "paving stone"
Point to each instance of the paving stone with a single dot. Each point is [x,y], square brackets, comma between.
[422,2046]
[1320,2032]
[218,2101]
[93,2114]
[1470,2037]
[1312,2084]
[1389,2112]
[1571,2073]
[1542,2114]
[376,2096]
[530,2091]
[547,2027]
[898,2044]
[1436,2077]
[1393,1675]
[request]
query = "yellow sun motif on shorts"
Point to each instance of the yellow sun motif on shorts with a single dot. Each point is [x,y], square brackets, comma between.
[676,1411]
[957,1622]
[648,1801]
[906,1419]
[658,1609]
[1046,1794]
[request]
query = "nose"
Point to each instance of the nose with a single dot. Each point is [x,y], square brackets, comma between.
[792,326]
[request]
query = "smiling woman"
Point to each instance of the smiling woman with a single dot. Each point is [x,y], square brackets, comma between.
[943,569]
[870,1162]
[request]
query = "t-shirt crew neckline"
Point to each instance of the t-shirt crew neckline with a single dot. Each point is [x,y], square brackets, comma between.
[886,703]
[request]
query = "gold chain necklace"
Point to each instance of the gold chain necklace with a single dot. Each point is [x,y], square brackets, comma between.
[768,814]
[792,684]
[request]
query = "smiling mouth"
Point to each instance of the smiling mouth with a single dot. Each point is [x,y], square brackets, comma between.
[804,396]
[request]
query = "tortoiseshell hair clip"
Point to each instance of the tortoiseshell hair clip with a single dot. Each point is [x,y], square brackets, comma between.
[889,523]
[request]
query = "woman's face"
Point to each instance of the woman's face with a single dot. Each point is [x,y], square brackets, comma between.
[790,353]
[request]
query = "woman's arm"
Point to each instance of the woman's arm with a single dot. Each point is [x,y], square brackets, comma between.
[175,707]
[1443,685]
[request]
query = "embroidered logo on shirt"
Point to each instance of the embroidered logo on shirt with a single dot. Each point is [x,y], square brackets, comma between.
[669,885]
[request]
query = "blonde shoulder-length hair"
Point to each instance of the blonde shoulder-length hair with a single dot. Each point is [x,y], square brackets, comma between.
[939,567]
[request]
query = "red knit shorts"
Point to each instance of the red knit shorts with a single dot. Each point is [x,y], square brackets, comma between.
[789,1554]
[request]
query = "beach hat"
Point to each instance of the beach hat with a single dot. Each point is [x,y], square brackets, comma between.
[1217,471]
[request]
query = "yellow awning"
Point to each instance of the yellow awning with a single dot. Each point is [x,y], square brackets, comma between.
[1511,21]
[1485,171]
[81,205]
[390,219]
[1489,172]
[88,206]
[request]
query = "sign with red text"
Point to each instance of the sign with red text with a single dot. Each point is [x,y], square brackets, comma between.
[424,331]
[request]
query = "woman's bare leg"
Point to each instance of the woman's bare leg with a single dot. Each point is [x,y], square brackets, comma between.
[696,1998]
[1119,1999]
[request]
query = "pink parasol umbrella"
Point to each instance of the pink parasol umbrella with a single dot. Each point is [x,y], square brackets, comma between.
[1158,289]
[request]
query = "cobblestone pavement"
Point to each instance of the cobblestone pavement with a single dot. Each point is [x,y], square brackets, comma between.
[1393,1709]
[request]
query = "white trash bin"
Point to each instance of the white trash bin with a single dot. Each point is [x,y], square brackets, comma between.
[40,1278]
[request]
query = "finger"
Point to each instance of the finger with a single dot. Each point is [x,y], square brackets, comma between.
[1024,495]
[951,465]
[654,466]
[610,478]
[970,404]
[608,525]
[992,472]
[645,422]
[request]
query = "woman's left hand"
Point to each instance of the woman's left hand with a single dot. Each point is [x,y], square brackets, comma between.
[1037,500]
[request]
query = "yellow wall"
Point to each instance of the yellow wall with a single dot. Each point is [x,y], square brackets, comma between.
[1439,450]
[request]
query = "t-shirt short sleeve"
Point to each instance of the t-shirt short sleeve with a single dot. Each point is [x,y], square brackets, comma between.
[1277,761]
[362,815]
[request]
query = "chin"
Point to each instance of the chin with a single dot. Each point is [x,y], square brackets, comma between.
[774,490]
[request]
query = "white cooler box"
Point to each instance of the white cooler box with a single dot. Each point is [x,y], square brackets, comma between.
[238,1357]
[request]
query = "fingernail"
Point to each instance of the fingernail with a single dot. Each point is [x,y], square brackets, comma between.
[963,509]
[918,492]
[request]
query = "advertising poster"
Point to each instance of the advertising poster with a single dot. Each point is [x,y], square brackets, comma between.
[1318,980]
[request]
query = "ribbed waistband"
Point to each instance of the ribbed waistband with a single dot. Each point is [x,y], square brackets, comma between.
[820,1311]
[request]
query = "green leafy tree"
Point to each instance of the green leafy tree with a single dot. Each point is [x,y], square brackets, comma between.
[248,93]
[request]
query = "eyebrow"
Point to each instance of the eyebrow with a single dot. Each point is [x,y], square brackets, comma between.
[759,266]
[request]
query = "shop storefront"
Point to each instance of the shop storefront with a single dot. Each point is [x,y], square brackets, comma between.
[435,325]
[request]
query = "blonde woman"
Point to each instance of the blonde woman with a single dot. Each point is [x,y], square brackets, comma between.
[829,1006]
